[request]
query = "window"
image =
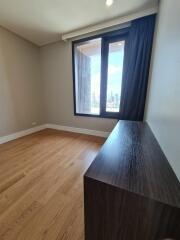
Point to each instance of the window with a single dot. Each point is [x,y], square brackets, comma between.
[98,68]
[88,76]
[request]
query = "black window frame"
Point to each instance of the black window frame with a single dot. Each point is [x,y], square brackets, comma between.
[113,36]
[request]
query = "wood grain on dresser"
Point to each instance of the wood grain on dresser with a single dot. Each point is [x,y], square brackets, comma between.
[130,190]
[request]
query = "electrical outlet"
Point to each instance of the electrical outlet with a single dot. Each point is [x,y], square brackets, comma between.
[34,123]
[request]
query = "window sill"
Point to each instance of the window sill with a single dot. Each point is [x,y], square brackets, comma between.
[97,116]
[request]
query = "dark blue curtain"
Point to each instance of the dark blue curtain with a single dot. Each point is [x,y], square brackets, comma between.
[136,68]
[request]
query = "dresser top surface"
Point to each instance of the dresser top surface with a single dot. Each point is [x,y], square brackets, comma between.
[131,159]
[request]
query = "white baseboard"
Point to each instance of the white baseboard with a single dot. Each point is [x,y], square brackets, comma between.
[78,130]
[23,133]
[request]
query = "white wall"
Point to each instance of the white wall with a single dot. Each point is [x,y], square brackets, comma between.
[20,84]
[56,62]
[163,103]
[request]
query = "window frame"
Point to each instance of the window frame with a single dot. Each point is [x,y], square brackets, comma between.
[113,36]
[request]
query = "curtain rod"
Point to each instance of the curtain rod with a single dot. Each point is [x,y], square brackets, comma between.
[108,24]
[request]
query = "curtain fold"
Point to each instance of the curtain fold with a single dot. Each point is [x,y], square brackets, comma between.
[136,68]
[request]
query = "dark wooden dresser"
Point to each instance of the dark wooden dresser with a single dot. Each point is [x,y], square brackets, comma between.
[130,190]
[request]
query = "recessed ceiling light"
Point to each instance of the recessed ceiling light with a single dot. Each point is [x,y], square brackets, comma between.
[109,2]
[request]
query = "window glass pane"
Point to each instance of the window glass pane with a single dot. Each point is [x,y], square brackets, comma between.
[114,80]
[87,76]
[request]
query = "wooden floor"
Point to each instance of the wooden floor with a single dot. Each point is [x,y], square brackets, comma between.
[41,185]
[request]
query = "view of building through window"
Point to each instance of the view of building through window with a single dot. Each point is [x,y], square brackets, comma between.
[95,83]
[87,76]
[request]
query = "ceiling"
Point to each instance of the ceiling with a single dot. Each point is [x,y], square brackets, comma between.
[43,21]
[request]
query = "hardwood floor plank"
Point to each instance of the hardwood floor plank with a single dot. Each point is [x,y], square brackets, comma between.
[41,185]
